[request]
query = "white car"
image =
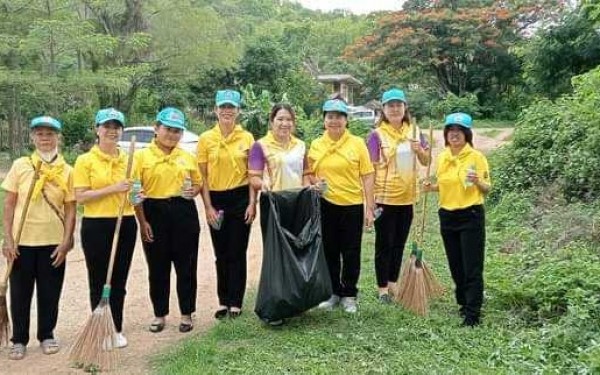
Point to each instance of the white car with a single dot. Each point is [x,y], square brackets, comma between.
[362,114]
[145,134]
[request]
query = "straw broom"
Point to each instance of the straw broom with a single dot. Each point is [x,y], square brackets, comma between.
[94,347]
[4,318]
[417,282]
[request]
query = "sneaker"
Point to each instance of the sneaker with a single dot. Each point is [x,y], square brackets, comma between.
[349,304]
[50,346]
[120,340]
[385,299]
[332,302]
[17,352]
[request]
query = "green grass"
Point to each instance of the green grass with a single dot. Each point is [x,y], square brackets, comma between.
[380,339]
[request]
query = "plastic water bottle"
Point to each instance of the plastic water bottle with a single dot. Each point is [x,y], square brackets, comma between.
[470,171]
[220,216]
[187,184]
[377,212]
[136,189]
[323,186]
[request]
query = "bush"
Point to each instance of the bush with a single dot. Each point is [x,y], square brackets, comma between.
[556,142]
[467,103]
[78,127]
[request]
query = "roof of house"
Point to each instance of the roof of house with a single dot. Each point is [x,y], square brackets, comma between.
[338,78]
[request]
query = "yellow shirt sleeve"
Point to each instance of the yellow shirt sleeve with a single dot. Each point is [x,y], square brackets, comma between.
[70,196]
[11,181]
[81,172]
[365,167]
[202,150]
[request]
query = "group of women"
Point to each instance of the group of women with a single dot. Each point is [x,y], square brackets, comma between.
[361,184]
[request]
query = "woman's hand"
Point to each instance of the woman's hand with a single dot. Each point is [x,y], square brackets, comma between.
[146,232]
[250,213]
[9,250]
[369,217]
[121,187]
[428,187]
[59,255]
[211,216]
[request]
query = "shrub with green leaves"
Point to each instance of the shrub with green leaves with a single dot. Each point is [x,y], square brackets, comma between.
[556,142]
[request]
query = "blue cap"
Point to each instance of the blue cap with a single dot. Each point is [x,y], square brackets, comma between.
[171,117]
[108,114]
[459,118]
[393,94]
[335,105]
[228,97]
[46,121]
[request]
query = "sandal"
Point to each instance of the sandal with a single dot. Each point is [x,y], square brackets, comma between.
[50,346]
[17,352]
[185,327]
[157,326]
[221,313]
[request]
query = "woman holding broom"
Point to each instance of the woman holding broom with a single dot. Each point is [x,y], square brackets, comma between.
[392,149]
[38,259]
[99,181]
[169,219]
[463,180]
[229,201]
[340,161]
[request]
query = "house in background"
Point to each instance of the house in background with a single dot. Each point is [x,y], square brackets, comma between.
[342,83]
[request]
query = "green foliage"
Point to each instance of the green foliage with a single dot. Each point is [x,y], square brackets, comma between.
[78,127]
[467,103]
[562,51]
[255,115]
[555,142]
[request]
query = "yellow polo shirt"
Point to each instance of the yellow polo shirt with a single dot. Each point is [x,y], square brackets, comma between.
[162,175]
[452,173]
[95,170]
[341,163]
[282,165]
[226,157]
[395,182]
[42,225]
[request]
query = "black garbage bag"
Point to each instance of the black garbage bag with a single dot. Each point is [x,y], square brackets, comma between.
[294,275]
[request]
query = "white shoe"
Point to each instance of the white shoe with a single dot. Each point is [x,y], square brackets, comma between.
[332,302]
[349,304]
[120,341]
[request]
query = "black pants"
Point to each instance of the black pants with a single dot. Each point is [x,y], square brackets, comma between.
[391,232]
[32,268]
[231,245]
[342,236]
[96,240]
[463,233]
[176,230]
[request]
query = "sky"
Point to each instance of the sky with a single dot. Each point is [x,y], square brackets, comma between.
[356,6]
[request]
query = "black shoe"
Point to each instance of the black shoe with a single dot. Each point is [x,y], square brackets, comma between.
[385,299]
[157,327]
[462,312]
[471,321]
[235,314]
[185,327]
[221,314]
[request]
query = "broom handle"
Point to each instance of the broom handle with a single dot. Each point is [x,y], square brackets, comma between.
[414,170]
[36,176]
[423,215]
[115,240]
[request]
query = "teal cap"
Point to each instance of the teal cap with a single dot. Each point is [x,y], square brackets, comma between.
[335,105]
[228,97]
[459,118]
[393,94]
[108,114]
[171,117]
[46,121]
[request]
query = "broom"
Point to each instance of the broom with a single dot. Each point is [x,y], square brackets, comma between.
[4,318]
[417,282]
[94,346]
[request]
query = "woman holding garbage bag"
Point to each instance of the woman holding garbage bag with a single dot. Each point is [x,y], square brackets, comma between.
[99,182]
[463,180]
[294,276]
[46,235]
[168,218]
[229,200]
[340,161]
[392,150]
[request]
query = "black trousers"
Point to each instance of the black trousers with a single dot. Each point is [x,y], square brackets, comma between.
[342,235]
[391,232]
[463,233]
[33,268]
[231,245]
[176,230]
[96,240]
